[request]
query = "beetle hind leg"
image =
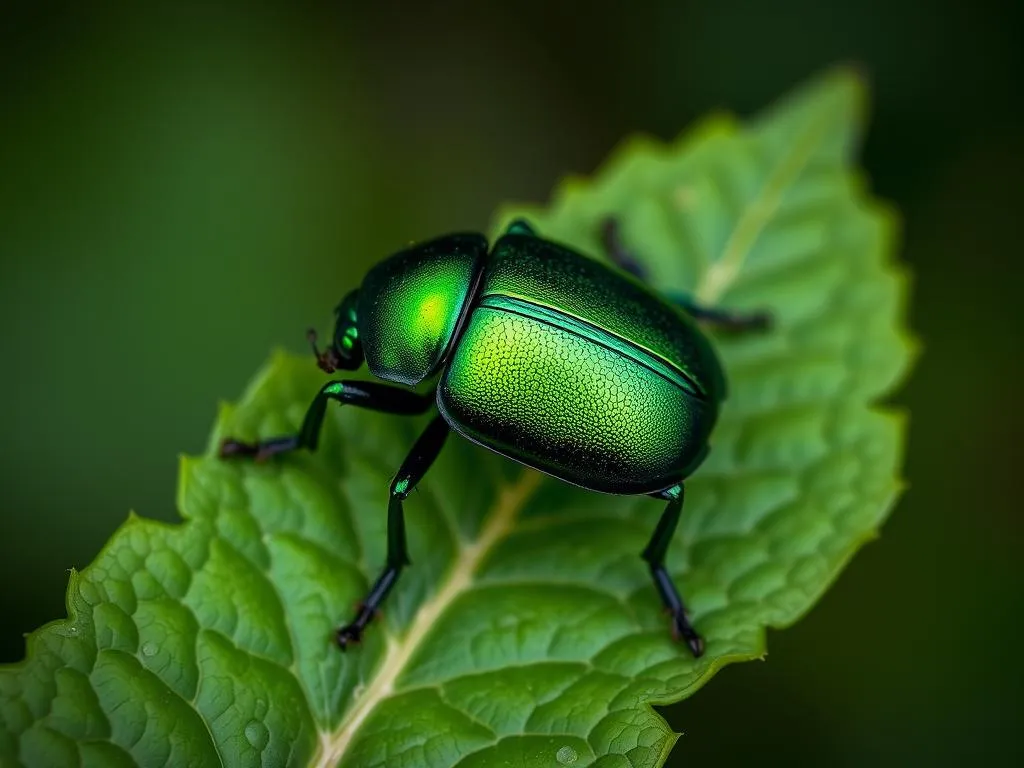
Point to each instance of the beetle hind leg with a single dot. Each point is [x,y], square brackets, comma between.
[654,553]
[616,250]
[720,318]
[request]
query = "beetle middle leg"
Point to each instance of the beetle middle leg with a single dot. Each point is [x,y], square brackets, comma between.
[617,251]
[415,466]
[654,554]
[365,394]
[721,318]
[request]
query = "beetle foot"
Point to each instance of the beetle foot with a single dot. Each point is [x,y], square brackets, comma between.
[350,634]
[760,321]
[681,630]
[230,448]
[260,451]
[747,322]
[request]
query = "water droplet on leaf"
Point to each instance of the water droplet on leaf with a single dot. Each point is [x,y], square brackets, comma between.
[566,755]
[149,648]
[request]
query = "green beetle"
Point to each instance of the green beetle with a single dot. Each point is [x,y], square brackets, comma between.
[560,362]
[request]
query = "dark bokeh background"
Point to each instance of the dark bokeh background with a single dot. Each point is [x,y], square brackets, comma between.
[184,186]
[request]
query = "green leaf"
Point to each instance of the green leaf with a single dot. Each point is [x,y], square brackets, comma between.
[527,632]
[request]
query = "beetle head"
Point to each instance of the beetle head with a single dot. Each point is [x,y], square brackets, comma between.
[345,352]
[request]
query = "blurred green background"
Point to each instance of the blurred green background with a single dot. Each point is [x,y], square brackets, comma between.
[184,186]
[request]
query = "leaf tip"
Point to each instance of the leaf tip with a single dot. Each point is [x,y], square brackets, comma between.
[850,80]
[837,98]
[856,70]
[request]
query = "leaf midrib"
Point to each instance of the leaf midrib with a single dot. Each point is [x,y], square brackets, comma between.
[722,273]
[512,498]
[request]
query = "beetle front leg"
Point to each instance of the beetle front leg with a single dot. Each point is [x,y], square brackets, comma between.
[654,554]
[365,394]
[416,464]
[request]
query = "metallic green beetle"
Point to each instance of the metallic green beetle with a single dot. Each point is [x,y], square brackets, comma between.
[553,359]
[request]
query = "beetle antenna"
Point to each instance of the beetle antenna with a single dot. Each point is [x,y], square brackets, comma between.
[328,359]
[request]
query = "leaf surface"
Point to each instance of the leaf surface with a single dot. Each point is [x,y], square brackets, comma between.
[527,632]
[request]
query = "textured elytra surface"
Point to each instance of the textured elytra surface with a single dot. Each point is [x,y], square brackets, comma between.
[526,631]
[570,407]
[544,273]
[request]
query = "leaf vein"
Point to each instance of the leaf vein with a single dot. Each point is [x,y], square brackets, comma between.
[723,272]
[399,652]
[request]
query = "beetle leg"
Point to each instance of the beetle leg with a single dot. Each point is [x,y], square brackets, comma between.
[654,554]
[521,226]
[416,464]
[365,394]
[618,252]
[721,318]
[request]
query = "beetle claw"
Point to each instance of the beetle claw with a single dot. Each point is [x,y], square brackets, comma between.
[762,321]
[348,635]
[230,447]
[696,644]
[681,630]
